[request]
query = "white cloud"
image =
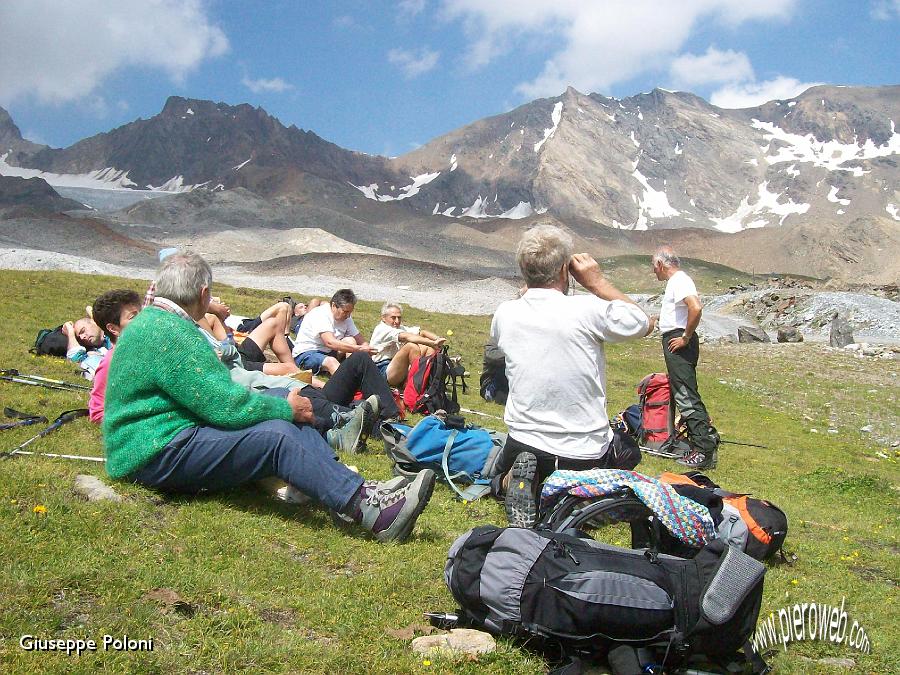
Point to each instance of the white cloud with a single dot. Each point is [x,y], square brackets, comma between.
[690,70]
[413,64]
[410,7]
[751,94]
[62,51]
[275,84]
[885,10]
[344,21]
[600,43]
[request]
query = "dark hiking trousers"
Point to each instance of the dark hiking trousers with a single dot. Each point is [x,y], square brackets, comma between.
[358,372]
[682,367]
[622,453]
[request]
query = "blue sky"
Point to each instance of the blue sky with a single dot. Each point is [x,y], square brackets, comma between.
[384,77]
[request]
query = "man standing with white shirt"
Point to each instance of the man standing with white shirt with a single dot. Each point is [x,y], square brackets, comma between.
[553,344]
[678,321]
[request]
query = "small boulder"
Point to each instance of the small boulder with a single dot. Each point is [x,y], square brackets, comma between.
[94,489]
[789,335]
[841,334]
[752,334]
[459,641]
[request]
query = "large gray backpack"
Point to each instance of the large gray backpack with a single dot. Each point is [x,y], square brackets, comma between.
[587,595]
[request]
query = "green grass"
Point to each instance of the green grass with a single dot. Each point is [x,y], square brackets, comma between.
[275,588]
[634,273]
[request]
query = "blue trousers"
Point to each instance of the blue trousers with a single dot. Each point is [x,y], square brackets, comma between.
[205,458]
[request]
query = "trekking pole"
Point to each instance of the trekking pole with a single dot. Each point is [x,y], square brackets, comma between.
[24,419]
[13,375]
[64,417]
[51,454]
[475,412]
[749,445]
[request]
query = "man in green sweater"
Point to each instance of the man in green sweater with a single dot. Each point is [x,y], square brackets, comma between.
[176,422]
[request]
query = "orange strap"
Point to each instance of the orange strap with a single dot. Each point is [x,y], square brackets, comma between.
[676,479]
[740,503]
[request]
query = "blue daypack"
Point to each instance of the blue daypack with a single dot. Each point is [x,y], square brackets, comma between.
[459,454]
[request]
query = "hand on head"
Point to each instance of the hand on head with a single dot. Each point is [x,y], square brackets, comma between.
[584,269]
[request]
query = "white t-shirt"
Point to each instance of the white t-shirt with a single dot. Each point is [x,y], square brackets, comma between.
[674,312]
[317,321]
[556,367]
[386,340]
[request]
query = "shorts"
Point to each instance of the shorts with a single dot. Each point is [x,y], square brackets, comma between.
[250,351]
[312,360]
[383,366]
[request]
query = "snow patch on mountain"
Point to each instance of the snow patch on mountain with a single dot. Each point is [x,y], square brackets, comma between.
[832,197]
[555,117]
[766,201]
[241,165]
[830,155]
[109,178]
[175,184]
[453,161]
[652,204]
[371,191]
[893,211]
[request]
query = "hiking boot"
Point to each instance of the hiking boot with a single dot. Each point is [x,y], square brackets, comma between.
[699,460]
[521,502]
[345,438]
[371,407]
[389,509]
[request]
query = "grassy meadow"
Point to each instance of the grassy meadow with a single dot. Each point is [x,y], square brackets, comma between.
[239,582]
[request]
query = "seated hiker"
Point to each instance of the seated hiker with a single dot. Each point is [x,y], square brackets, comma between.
[556,365]
[113,311]
[301,309]
[397,346]
[87,344]
[345,430]
[178,423]
[328,334]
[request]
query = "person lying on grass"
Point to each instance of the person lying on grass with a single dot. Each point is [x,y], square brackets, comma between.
[178,423]
[87,344]
[265,331]
[398,346]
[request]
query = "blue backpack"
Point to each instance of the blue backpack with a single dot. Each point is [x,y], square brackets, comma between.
[458,454]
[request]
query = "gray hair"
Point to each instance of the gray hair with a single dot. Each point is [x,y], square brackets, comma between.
[386,307]
[667,257]
[181,277]
[541,253]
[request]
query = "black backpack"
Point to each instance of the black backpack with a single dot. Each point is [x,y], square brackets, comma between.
[493,381]
[586,598]
[51,341]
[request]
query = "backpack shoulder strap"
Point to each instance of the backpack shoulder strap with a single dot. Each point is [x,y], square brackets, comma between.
[445,458]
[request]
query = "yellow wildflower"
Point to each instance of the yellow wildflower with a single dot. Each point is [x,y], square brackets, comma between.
[40,508]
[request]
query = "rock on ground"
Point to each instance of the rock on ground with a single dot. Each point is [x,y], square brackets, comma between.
[458,641]
[95,489]
[752,334]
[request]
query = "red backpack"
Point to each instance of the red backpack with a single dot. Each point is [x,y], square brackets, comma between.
[657,411]
[427,383]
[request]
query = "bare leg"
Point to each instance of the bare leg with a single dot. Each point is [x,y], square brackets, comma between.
[330,364]
[280,368]
[269,333]
[399,365]
[282,311]
[213,325]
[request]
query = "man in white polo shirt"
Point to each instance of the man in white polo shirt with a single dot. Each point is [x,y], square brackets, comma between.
[556,366]
[678,321]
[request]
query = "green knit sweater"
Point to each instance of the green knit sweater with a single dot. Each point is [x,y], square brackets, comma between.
[165,377]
